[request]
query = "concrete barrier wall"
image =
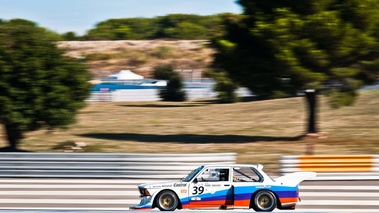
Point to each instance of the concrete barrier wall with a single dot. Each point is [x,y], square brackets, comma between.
[106,165]
[333,166]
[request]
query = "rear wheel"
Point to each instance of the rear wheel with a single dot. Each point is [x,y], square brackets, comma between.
[167,201]
[264,201]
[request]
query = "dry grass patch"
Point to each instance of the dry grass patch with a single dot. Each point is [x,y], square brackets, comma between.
[141,56]
[259,131]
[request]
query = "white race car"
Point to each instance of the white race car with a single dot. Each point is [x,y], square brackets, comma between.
[224,187]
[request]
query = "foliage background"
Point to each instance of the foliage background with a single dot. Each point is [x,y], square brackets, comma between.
[172,26]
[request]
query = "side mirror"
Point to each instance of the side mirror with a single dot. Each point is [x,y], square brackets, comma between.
[195,181]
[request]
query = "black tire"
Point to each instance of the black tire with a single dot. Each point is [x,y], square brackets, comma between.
[264,201]
[167,201]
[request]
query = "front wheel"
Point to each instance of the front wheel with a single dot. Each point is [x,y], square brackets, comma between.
[167,201]
[264,201]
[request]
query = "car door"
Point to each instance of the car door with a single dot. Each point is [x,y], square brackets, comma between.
[245,181]
[212,188]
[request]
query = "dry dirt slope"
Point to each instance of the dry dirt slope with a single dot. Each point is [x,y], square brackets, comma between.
[141,56]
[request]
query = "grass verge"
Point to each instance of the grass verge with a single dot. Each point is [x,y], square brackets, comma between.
[258,131]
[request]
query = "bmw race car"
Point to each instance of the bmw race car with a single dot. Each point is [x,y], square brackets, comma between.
[224,187]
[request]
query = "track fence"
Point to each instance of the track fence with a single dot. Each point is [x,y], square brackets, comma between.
[106,165]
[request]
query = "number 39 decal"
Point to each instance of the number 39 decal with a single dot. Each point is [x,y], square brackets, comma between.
[198,190]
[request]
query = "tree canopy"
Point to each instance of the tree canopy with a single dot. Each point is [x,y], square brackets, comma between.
[127,28]
[172,26]
[279,47]
[40,87]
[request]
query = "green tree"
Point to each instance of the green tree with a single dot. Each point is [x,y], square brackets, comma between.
[187,26]
[178,26]
[127,28]
[276,48]
[174,89]
[40,87]
[225,87]
[186,30]
[102,31]
[69,36]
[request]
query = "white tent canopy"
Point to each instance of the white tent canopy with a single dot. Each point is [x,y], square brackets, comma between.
[126,75]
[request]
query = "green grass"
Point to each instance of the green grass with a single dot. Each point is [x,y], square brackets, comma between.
[258,131]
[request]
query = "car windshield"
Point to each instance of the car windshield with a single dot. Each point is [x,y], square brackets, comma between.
[192,174]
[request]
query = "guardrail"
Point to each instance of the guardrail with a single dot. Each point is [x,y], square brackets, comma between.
[106,165]
[334,167]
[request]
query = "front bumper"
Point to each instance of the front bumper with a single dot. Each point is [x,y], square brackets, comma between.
[137,207]
[145,204]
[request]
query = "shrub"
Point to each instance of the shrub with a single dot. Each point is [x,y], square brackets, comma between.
[174,89]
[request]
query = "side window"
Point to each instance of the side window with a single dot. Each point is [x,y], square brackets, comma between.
[245,174]
[214,174]
[224,175]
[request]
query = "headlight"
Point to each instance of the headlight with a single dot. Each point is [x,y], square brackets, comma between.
[144,192]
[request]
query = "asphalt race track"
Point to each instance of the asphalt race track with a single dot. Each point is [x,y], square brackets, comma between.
[31,195]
